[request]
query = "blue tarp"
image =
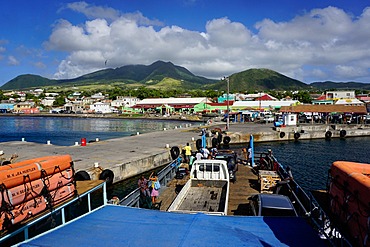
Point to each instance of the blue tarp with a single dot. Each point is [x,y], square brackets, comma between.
[122,226]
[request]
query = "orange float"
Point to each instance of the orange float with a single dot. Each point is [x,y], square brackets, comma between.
[22,193]
[63,193]
[32,189]
[27,209]
[349,198]
[29,187]
[59,179]
[18,175]
[57,164]
[27,162]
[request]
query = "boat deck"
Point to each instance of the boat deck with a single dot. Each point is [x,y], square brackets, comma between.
[169,193]
[245,186]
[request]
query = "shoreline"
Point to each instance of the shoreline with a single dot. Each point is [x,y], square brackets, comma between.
[108,116]
[132,155]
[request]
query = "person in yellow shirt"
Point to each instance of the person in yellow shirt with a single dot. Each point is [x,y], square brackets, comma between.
[187,149]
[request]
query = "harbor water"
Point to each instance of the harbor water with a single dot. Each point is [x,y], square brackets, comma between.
[310,160]
[66,131]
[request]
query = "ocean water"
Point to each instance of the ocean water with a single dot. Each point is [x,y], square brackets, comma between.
[310,160]
[65,131]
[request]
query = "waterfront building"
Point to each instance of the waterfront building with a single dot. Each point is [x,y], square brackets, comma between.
[176,104]
[6,107]
[263,104]
[101,107]
[352,101]
[336,95]
[125,102]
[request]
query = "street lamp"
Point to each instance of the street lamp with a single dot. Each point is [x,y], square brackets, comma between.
[228,107]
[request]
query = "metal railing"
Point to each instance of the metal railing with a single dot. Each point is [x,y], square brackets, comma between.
[311,210]
[56,211]
[164,177]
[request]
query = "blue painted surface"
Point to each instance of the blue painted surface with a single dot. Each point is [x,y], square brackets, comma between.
[251,144]
[123,226]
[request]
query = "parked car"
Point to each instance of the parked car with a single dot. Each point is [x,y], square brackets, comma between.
[268,119]
[181,173]
[271,205]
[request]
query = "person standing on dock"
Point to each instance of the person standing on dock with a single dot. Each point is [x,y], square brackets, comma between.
[250,156]
[198,155]
[154,178]
[187,149]
[204,140]
[205,152]
[142,183]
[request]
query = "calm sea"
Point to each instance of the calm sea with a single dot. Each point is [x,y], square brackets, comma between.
[309,160]
[65,131]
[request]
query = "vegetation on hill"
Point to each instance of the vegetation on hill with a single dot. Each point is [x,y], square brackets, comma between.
[165,76]
[263,80]
[329,85]
[28,81]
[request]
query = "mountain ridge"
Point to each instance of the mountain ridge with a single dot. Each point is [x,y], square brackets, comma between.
[157,74]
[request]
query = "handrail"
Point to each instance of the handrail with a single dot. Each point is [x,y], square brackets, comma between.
[164,176]
[321,220]
[55,210]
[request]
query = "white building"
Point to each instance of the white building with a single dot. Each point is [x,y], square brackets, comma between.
[97,96]
[171,101]
[352,101]
[263,104]
[48,101]
[100,107]
[335,95]
[125,101]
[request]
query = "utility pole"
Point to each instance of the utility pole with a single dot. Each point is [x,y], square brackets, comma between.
[228,105]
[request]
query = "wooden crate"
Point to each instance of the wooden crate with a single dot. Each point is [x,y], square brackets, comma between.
[268,180]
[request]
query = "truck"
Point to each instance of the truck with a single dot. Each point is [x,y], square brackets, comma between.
[206,191]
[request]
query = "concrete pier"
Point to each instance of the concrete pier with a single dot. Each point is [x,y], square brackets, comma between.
[129,156]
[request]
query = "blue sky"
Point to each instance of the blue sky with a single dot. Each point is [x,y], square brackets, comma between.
[306,40]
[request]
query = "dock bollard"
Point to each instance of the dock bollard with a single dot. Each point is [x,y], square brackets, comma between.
[83,141]
[48,142]
[167,145]
[96,139]
[76,143]
[164,128]
[23,139]
[137,133]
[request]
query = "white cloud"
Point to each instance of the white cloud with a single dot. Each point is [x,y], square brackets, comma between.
[13,61]
[92,11]
[39,65]
[322,42]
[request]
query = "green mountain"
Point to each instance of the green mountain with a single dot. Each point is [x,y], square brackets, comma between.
[327,85]
[260,80]
[164,76]
[150,75]
[28,81]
